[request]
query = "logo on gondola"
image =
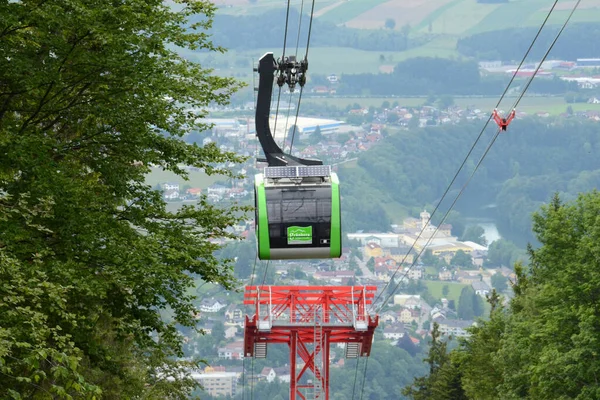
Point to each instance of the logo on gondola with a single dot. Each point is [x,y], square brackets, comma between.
[299,234]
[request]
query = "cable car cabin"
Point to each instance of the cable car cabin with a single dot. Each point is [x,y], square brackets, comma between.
[298,213]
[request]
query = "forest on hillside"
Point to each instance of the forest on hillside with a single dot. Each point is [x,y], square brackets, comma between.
[578,40]
[267,30]
[535,158]
[441,76]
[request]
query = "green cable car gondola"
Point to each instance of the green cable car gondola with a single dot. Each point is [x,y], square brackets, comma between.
[297,201]
[298,217]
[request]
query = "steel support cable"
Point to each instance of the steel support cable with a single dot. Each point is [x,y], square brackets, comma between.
[546,54]
[469,152]
[287,119]
[252,385]
[287,17]
[355,376]
[312,11]
[483,156]
[527,52]
[296,119]
[362,389]
[443,219]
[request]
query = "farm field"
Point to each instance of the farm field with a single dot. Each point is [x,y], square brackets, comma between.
[403,12]
[454,18]
[244,7]
[349,10]
[327,60]
[436,289]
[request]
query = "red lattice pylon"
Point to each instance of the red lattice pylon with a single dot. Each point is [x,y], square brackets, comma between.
[309,319]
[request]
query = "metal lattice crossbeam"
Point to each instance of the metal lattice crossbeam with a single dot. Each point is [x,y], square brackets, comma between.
[309,319]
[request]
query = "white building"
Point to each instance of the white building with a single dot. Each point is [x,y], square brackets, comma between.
[382,239]
[217,383]
[394,332]
[170,186]
[211,305]
[481,288]
[455,327]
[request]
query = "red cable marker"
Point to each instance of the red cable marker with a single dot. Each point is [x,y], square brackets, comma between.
[503,122]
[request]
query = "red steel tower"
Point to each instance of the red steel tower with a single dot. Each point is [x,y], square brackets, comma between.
[309,319]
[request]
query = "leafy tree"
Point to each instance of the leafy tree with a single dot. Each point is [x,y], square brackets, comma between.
[428,258]
[445,290]
[552,321]
[462,259]
[218,331]
[390,23]
[499,282]
[501,252]
[90,97]
[474,233]
[445,102]
[342,138]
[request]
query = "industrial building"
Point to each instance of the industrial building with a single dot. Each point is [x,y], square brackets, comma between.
[304,125]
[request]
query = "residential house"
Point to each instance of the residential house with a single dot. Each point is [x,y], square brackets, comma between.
[389,317]
[171,194]
[455,327]
[401,255]
[481,288]
[211,305]
[267,374]
[401,299]
[217,190]
[373,250]
[445,275]
[381,272]
[407,315]
[413,302]
[414,273]
[233,312]
[394,332]
[232,351]
[193,193]
[467,277]
[479,257]
[170,186]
